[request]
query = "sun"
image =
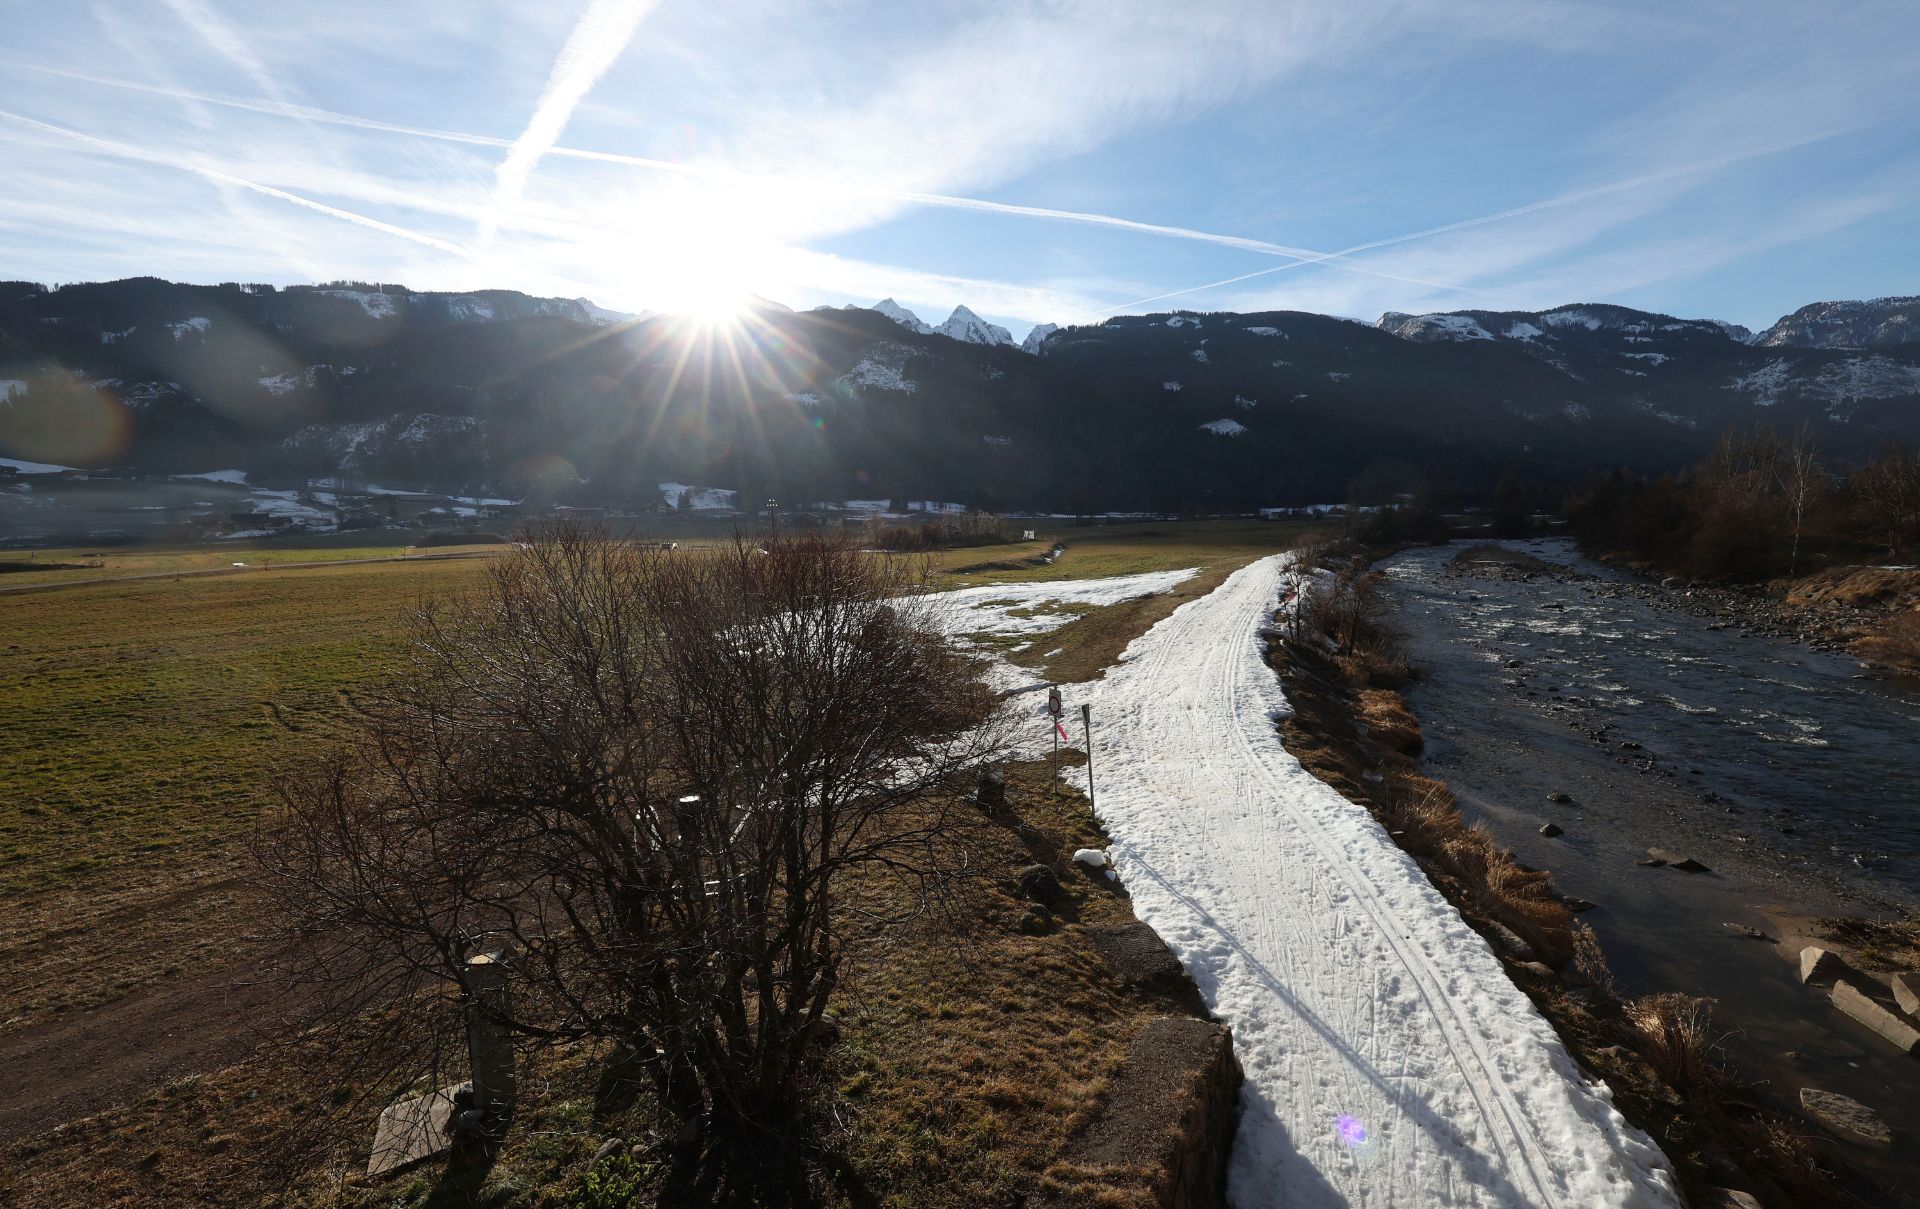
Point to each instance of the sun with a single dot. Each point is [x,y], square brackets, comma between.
[712,303]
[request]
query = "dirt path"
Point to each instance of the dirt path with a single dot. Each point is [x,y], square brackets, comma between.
[89,1061]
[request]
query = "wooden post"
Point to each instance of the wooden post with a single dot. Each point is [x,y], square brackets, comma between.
[1086,723]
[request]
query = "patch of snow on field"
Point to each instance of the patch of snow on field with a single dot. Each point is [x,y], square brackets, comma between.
[1225,428]
[10,388]
[21,467]
[1390,1060]
[977,616]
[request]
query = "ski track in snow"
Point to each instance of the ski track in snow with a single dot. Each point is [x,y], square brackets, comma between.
[1390,1061]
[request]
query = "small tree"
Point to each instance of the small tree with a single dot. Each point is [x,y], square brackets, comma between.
[649,777]
[1798,475]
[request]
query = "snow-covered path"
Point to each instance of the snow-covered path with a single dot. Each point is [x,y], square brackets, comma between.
[1390,1061]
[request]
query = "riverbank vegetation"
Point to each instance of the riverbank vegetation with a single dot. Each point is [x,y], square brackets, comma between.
[1829,541]
[1343,664]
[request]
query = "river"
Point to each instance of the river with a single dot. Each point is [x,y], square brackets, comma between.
[1792,773]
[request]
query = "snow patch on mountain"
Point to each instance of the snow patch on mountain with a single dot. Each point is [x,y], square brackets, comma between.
[1434,327]
[1654,359]
[199,323]
[1841,385]
[879,368]
[899,314]
[1524,331]
[1225,428]
[1244,403]
[1200,355]
[1263,330]
[376,303]
[10,388]
[1868,323]
[1570,317]
[1169,386]
[115,337]
[280,384]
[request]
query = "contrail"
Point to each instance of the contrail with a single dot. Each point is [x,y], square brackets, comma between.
[936,200]
[223,38]
[214,174]
[1561,200]
[598,39]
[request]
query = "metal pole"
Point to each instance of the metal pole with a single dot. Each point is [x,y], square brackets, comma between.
[1086,722]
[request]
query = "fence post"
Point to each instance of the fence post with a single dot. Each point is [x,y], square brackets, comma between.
[489,1041]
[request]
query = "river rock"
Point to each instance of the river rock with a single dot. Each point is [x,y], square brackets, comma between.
[1843,1112]
[1744,930]
[1819,965]
[1857,1004]
[1550,830]
[1906,993]
[1559,799]
[1506,938]
[1675,860]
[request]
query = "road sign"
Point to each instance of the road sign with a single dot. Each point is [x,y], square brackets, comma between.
[1053,702]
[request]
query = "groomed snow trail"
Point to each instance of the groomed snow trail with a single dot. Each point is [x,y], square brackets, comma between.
[1390,1061]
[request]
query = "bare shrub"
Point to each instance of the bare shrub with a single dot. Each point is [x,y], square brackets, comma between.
[1591,960]
[645,776]
[1674,1032]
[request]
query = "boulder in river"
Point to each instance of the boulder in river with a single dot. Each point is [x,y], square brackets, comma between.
[1843,1112]
[1559,799]
[1857,1004]
[1744,930]
[1550,830]
[1819,965]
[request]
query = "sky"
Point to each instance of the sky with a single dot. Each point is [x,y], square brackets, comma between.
[1052,161]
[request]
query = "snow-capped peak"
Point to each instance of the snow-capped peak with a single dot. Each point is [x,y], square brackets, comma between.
[1037,337]
[964,325]
[899,314]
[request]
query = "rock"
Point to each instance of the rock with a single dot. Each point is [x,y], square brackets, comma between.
[1723,1198]
[827,1028]
[1577,905]
[1559,799]
[1906,993]
[1038,921]
[1135,954]
[1744,930]
[1817,965]
[1674,860]
[1842,1112]
[1550,830]
[1554,604]
[1038,884]
[1537,969]
[1629,745]
[608,1149]
[1506,938]
[1856,1003]
[1652,862]
[993,790]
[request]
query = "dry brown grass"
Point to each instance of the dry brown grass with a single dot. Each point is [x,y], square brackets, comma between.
[1894,643]
[1674,1032]
[1391,723]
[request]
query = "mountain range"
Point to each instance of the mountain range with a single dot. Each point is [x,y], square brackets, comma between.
[496,392]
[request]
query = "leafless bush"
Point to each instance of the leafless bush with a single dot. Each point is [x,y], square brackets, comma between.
[646,776]
[1591,960]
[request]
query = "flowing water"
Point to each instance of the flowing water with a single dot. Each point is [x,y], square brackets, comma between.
[1794,774]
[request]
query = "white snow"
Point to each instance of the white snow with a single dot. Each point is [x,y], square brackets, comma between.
[280,384]
[1245,403]
[1523,331]
[1266,331]
[199,323]
[1092,857]
[700,499]
[10,388]
[21,467]
[1334,375]
[1389,1059]
[1224,428]
[1577,411]
[806,398]
[997,441]
[1037,337]
[880,367]
[218,476]
[115,337]
[1025,610]
[1655,359]
[1182,321]
[899,314]
[965,326]
[1200,355]
[1570,319]
[1169,386]
[375,303]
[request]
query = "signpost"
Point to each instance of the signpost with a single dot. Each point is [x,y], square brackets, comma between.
[1054,711]
[1086,723]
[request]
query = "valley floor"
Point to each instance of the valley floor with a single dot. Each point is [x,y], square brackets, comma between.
[1390,1061]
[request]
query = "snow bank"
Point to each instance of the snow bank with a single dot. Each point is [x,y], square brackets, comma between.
[1390,1061]
[217,476]
[21,467]
[1225,428]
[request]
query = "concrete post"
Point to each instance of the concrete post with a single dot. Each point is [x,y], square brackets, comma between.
[489,1041]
